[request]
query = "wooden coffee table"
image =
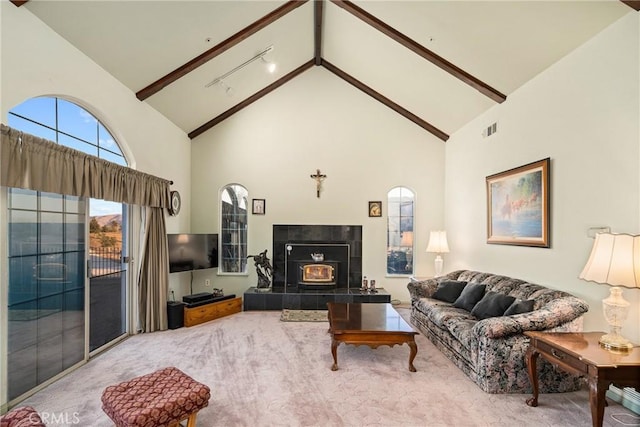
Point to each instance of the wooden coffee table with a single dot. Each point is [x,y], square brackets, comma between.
[371,324]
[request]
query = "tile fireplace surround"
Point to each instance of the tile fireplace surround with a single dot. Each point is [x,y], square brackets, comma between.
[342,243]
[294,244]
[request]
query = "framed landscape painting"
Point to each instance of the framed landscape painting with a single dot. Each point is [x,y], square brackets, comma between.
[518,206]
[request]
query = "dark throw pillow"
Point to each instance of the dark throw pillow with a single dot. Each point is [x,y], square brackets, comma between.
[449,290]
[471,294]
[492,304]
[519,306]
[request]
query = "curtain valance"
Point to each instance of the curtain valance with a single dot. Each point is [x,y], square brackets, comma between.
[34,163]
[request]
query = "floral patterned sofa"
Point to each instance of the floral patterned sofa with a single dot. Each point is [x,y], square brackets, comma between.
[491,351]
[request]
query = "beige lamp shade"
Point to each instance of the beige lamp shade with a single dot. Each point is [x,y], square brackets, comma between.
[614,260]
[407,238]
[438,242]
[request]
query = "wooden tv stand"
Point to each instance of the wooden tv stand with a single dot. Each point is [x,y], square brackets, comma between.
[204,313]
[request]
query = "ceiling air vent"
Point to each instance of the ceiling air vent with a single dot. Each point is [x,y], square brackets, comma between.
[490,130]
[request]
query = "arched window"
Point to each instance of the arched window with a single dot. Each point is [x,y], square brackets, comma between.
[67,124]
[400,203]
[233,229]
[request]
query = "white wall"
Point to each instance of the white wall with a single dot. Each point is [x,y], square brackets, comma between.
[583,113]
[317,121]
[35,61]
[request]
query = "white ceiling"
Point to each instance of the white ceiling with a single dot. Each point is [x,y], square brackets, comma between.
[502,43]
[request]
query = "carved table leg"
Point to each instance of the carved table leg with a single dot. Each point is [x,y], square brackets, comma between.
[532,363]
[334,352]
[412,355]
[597,391]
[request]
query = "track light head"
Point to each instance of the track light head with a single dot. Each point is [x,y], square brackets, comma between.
[227,89]
[271,66]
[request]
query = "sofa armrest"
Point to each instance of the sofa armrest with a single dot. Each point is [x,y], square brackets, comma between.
[552,315]
[426,288]
[422,289]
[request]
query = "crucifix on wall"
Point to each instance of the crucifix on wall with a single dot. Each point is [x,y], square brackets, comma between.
[319,177]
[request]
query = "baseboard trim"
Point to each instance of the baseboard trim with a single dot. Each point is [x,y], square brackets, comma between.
[627,397]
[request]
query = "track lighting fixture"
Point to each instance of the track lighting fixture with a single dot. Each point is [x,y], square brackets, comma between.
[271,67]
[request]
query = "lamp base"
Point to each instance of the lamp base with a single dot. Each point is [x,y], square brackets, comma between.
[615,309]
[438,265]
[616,342]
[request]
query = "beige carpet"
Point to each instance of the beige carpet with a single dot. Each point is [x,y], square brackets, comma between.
[264,372]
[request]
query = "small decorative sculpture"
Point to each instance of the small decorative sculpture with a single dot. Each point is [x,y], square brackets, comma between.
[264,270]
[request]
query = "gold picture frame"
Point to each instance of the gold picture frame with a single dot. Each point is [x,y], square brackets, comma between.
[375,209]
[518,205]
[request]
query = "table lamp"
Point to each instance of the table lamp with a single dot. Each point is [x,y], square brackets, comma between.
[407,243]
[614,260]
[438,244]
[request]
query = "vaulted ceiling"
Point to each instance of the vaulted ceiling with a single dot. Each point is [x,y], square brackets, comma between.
[438,63]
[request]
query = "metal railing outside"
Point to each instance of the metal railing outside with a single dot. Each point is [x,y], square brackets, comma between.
[105,261]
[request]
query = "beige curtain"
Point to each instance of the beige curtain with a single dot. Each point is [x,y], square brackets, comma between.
[29,162]
[153,281]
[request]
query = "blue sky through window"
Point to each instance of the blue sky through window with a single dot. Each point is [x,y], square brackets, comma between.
[70,125]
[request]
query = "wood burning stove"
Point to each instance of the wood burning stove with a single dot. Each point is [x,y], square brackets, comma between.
[317,274]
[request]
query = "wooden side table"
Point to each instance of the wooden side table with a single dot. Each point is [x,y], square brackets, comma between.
[581,354]
[215,310]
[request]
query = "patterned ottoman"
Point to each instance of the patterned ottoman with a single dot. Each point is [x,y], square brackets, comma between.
[159,399]
[24,416]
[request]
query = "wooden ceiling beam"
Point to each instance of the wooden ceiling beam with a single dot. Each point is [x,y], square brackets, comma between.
[317,17]
[420,50]
[218,49]
[250,100]
[18,2]
[386,101]
[633,4]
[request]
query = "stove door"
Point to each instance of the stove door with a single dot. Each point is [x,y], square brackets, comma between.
[317,274]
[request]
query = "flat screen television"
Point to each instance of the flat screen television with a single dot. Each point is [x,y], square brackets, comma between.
[188,252]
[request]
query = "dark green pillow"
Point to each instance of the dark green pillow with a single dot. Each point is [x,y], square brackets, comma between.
[448,290]
[471,294]
[492,304]
[519,306]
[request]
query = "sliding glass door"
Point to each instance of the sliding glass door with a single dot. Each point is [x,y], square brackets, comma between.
[46,309]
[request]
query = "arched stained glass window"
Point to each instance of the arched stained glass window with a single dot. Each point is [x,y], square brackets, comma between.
[233,229]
